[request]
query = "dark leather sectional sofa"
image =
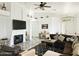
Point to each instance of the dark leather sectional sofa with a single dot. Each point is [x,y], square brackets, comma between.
[9,51]
[66,36]
[65,46]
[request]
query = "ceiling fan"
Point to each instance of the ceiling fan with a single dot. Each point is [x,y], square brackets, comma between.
[42,6]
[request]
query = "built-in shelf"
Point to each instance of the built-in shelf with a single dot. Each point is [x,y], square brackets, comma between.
[5,13]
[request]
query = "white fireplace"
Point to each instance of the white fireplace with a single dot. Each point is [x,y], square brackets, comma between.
[17,32]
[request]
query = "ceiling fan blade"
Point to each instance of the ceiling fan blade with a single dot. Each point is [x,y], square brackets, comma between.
[36,4]
[48,6]
[37,7]
[44,3]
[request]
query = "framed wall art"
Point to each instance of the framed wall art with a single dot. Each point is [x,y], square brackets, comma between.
[44,26]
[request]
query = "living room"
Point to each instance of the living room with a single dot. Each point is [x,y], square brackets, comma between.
[31,28]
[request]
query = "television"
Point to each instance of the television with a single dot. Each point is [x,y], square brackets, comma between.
[19,24]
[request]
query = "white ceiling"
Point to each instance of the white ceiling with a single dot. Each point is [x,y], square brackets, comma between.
[61,7]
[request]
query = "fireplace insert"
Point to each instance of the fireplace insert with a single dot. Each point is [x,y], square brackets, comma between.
[18,39]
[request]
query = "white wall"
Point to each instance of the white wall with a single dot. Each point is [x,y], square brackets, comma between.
[5,27]
[70,26]
[27,19]
[5,22]
[18,13]
[54,24]
[77,24]
[35,28]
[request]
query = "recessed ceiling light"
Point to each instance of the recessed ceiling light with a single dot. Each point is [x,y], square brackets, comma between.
[41,17]
[30,16]
[36,18]
[27,15]
[47,16]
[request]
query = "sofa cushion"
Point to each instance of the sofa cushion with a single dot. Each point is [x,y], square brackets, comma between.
[52,36]
[61,38]
[68,48]
[76,49]
[0,47]
[3,53]
[7,48]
